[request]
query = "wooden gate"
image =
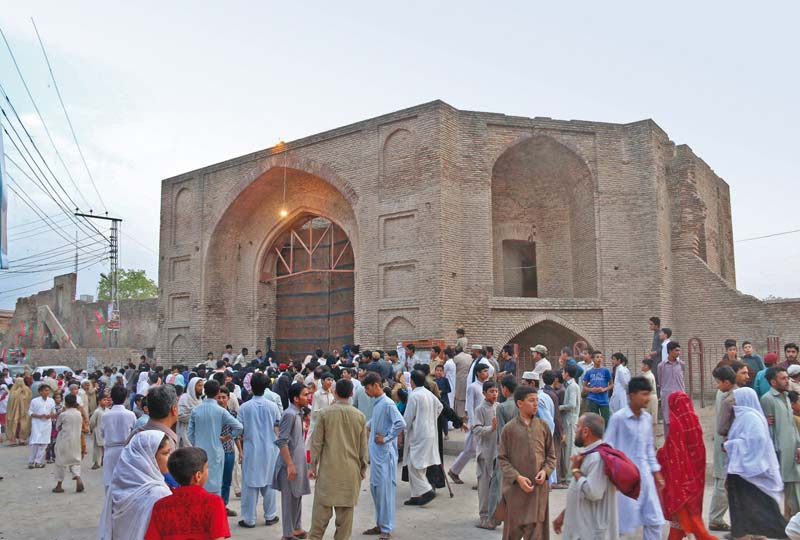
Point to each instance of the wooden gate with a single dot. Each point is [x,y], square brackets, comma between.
[313,273]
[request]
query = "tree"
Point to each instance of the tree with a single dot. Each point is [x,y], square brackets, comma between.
[132,284]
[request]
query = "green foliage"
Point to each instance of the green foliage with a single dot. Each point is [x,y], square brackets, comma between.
[132,284]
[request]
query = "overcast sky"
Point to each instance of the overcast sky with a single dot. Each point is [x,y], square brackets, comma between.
[159,88]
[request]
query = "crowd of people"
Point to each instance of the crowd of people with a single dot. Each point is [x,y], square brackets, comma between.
[177,445]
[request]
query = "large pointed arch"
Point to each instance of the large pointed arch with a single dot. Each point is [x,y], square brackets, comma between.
[240,305]
[543,222]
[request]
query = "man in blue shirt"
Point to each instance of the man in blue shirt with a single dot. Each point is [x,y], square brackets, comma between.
[599,382]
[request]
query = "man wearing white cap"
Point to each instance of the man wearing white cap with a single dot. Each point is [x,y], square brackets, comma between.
[794,377]
[478,358]
[539,354]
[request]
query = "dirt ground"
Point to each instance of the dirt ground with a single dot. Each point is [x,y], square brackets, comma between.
[31,511]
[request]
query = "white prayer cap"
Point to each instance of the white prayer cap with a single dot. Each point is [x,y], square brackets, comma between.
[476,347]
[530,376]
[793,370]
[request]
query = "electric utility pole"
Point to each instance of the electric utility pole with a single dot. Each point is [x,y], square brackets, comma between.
[113,322]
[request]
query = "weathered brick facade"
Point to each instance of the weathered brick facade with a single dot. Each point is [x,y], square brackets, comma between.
[444,209]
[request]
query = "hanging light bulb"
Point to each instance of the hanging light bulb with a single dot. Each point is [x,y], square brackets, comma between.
[283,213]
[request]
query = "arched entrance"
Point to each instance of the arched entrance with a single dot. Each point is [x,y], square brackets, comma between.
[311,265]
[543,222]
[550,334]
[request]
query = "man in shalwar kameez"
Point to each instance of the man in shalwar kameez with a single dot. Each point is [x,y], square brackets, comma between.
[527,457]
[630,430]
[421,449]
[384,426]
[205,427]
[339,456]
[259,417]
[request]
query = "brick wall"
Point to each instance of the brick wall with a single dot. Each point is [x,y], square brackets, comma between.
[426,195]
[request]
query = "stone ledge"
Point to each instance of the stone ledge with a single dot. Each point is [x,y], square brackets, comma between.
[510,302]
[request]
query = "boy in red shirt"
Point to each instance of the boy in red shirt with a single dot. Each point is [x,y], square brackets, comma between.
[190,513]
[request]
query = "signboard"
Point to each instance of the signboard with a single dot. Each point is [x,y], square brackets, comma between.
[3,208]
[114,322]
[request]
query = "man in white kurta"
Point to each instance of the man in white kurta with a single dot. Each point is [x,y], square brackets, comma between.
[42,411]
[421,448]
[259,417]
[631,431]
[450,375]
[116,425]
[569,409]
[323,398]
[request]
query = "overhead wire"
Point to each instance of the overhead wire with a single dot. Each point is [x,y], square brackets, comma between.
[69,121]
[782,233]
[39,153]
[58,252]
[33,206]
[41,119]
[67,262]
[4,295]
[35,222]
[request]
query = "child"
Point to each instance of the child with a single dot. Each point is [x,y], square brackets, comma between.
[191,511]
[652,406]
[97,433]
[794,399]
[444,389]
[50,454]
[485,429]
[68,444]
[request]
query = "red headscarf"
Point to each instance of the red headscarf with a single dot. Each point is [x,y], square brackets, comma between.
[683,459]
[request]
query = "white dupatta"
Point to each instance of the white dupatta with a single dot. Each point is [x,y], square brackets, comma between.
[135,488]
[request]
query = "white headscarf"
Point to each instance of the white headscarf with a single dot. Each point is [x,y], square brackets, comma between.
[189,399]
[749,447]
[143,383]
[136,486]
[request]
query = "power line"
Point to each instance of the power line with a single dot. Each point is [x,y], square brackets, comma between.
[37,226]
[59,252]
[46,280]
[52,266]
[34,222]
[37,210]
[41,119]
[47,166]
[62,205]
[129,237]
[768,235]
[69,122]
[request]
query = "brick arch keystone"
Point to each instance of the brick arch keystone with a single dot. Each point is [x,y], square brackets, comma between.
[542,318]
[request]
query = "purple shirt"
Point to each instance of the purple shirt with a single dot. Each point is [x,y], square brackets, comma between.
[670,375]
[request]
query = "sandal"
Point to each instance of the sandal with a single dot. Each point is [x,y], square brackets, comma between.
[373,530]
[719,527]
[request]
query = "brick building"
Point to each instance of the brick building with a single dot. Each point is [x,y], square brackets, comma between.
[406,226]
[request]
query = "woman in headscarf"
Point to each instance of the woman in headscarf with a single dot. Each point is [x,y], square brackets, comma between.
[18,423]
[683,465]
[754,481]
[137,484]
[143,383]
[186,404]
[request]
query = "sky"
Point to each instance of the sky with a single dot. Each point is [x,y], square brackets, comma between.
[155,89]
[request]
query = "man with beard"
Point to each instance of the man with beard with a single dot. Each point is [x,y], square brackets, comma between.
[591,510]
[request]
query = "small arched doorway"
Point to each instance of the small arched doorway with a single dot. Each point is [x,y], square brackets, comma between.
[550,334]
[311,265]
